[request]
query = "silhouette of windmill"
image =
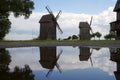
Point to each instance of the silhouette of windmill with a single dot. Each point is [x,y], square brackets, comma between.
[56,64]
[85,54]
[48,59]
[48,24]
[85,29]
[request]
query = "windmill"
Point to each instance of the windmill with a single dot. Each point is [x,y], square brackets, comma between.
[48,25]
[85,29]
[49,59]
[56,64]
[85,54]
[91,24]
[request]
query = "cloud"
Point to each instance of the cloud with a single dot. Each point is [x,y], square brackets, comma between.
[69,23]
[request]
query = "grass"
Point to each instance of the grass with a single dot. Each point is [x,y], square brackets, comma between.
[59,40]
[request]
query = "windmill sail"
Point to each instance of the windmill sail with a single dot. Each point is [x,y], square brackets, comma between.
[91,58]
[49,10]
[55,18]
[58,15]
[91,24]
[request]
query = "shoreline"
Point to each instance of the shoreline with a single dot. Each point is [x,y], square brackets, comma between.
[53,44]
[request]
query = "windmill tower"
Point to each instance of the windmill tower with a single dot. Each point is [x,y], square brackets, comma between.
[115,26]
[48,24]
[85,30]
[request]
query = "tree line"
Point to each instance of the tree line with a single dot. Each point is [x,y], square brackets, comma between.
[110,36]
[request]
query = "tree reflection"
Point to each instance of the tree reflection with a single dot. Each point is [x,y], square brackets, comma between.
[22,73]
[18,73]
[115,56]
[5,60]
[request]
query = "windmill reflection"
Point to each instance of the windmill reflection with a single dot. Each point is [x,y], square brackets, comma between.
[85,54]
[115,56]
[49,58]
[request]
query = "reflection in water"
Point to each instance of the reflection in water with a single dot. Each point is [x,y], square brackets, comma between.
[5,60]
[48,59]
[115,56]
[85,54]
[18,73]
[75,67]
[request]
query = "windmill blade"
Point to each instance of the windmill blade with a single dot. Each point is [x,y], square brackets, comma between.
[58,56]
[58,15]
[49,10]
[91,51]
[58,67]
[59,28]
[91,24]
[91,58]
[50,71]
[91,61]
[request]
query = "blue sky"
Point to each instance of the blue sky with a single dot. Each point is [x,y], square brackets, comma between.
[76,6]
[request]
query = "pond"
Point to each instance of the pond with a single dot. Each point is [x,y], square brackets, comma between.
[60,63]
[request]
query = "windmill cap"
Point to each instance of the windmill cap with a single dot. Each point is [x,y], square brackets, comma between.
[46,18]
[84,25]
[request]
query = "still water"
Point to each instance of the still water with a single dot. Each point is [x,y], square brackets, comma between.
[60,63]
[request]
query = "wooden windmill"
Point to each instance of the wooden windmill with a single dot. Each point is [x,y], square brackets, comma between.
[85,54]
[85,29]
[48,24]
[48,59]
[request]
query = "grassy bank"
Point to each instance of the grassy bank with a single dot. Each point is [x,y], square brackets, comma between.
[59,40]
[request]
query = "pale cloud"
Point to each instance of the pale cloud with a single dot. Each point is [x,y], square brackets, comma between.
[17,36]
[69,23]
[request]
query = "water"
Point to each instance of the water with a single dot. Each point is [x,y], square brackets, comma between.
[60,63]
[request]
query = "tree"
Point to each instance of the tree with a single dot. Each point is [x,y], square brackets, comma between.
[74,37]
[110,36]
[93,36]
[69,37]
[4,27]
[18,7]
[98,35]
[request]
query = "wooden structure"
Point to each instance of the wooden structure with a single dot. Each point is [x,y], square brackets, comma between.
[48,24]
[115,56]
[115,26]
[84,31]
[47,28]
[84,53]
[49,58]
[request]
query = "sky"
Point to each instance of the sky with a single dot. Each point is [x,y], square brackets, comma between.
[73,12]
